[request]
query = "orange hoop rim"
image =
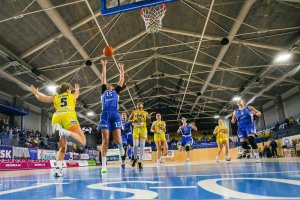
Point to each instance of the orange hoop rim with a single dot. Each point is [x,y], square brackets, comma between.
[163,5]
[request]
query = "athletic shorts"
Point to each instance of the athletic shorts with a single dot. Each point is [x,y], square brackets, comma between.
[159,137]
[245,131]
[127,139]
[221,140]
[67,120]
[186,141]
[110,121]
[140,133]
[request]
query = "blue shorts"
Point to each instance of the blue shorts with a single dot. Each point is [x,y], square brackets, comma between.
[127,139]
[110,121]
[186,141]
[245,131]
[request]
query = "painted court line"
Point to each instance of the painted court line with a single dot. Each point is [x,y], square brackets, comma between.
[261,173]
[174,187]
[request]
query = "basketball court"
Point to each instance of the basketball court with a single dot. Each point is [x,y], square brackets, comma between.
[197,63]
[239,180]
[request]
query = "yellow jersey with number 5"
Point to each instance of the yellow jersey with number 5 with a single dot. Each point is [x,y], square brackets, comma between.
[65,102]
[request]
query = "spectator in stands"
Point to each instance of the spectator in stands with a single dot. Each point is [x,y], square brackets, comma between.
[273,146]
[277,126]
[292,121]
[267,152]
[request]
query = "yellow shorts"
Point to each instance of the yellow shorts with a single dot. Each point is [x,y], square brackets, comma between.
[221,140]
[140,133]
[67,120]
[159,137]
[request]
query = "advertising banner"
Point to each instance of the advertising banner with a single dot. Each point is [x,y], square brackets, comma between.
[33,153]
[6,152]
[53,163]
[20,153]
[71,163]
[46,154]
[38,164]
[170,154]
[84,156]
[82,163]
[113,155]
[147,153]
[12,164]
[91,162]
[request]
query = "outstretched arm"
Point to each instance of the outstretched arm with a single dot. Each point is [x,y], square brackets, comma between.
[193,126]
[254,111]
[233,119]
[121,81]
[130,120]
[216,130]
[153,127]
[103,63]
[179,130]
[41,98]
[76,94]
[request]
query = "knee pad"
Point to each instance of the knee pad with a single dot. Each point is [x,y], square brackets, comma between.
[245,145]
[187,148]
[252,142]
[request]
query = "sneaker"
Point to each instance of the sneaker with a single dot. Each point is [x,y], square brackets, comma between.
[104,170]
[123,165]
[58,172]
[228,158]
[217,159]
[187,162]
[158,163]
[134,163]
[257,158]
[140,165]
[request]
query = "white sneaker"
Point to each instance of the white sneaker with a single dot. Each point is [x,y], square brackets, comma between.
[217,159]
[228,158]
[158,163]
[187,162]
[58,172]
[257,158]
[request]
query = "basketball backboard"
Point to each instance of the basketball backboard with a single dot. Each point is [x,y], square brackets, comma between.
[109,7]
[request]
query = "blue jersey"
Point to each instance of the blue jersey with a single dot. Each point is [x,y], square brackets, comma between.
[186,130]
[110,99]
[244,118]
[126,128]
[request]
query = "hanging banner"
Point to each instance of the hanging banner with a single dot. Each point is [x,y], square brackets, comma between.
[33,153]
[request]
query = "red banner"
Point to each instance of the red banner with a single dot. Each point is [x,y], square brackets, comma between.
[38,164]
[72,164]
[11,164]
[17,164]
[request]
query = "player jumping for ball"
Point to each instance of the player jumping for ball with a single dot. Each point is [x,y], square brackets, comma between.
[110,120]
[246,128]
[64,120]
[186,139]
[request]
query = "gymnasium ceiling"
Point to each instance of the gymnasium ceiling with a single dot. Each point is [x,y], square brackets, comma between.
[162,69]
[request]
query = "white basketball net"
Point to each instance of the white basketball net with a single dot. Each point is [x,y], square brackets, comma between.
[153,17]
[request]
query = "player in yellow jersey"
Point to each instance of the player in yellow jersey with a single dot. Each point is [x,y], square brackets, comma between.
[64,120]
[159,129]
[139,119]
[221,133]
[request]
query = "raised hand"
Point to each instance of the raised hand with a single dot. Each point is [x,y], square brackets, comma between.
[34,90]
[103,63]
[76,86]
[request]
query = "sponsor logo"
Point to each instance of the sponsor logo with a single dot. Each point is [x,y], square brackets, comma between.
[5,154]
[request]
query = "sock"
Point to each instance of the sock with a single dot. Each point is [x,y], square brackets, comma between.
[103,162]
[142,147]
[135,150]
[65,133]
[120,147]
[59,164]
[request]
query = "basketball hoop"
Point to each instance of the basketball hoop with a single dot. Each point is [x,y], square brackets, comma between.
[153,17]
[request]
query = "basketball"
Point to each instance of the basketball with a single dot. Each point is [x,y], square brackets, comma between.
[108,51]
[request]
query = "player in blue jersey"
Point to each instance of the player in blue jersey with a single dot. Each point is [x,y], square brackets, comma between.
[110,120]
[246,128]
[127,139]
[186,141]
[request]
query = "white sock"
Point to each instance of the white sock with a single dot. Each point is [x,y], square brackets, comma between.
[103,162]
[142,147]
[65,133]
[59,164]
[120,147]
